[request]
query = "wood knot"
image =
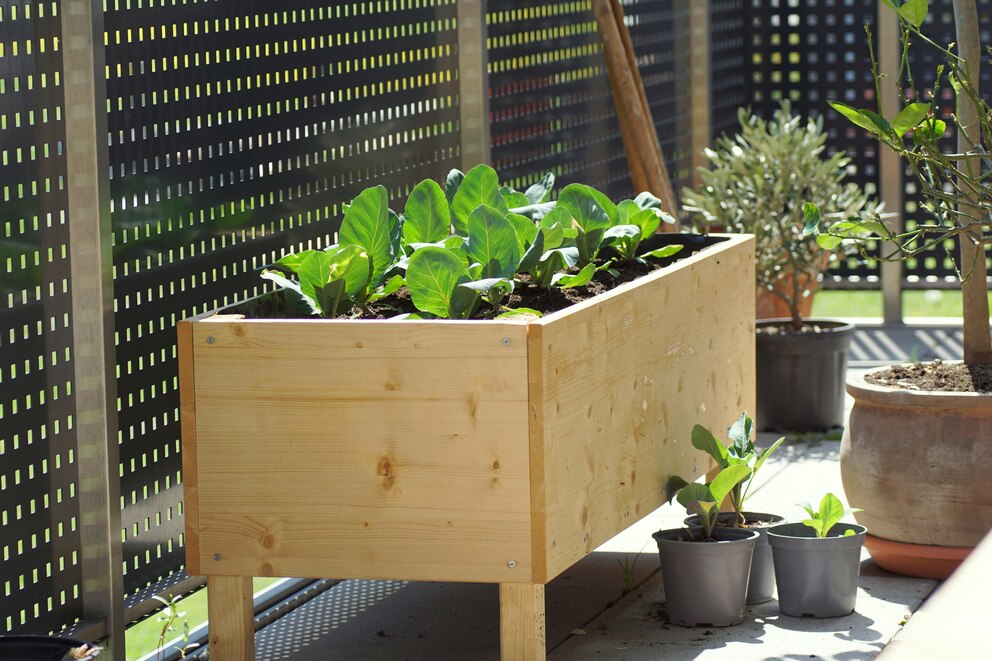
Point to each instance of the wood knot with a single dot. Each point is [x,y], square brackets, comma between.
[268,541]
[359,345]
[391,386]
[496,464]
[585,515]
[472,400]
[266,570]
[239,331]
[386,469]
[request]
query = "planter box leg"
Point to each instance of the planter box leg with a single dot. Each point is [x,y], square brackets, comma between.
[231,613]
[521,621]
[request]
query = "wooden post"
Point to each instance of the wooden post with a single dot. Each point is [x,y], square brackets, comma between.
[890,167]
[93,357]
[647,164]
[699,87]
[230,616]
[521,621]
[473,84]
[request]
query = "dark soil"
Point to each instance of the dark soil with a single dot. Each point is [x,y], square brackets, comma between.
[935,376]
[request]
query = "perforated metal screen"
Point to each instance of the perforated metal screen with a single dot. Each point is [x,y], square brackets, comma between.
[39,508]
[238,130]
[728,65]
[550,99]
[936,267]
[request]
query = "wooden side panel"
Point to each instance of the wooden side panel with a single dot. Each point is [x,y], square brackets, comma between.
[624,381]
[187,424]
[392,450]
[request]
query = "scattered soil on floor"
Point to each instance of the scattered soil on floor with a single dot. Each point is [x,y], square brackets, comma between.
[936,376]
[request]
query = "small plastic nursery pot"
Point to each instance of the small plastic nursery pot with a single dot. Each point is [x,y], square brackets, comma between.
[816,577]
[706,582]
[39,648]
[761,584]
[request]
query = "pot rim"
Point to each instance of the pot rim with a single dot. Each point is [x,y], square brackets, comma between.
[859,531]
[860,389]
[835,325]
[737,535]
[772,519]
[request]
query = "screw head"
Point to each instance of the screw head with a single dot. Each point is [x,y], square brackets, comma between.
[210,339]
[511,564]
[505,341]
[216,556]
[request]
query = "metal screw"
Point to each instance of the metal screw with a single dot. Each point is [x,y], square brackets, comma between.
[506,341]
[511,564]
[216,556]
[210,339]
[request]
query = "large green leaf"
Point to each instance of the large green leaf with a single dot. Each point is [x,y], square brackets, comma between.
[580,279]
[451,184]
[525,229]
[540,191]
[291,263]
[293,291]
[513,198]
[479,187]
[866,119]
[914,11]
[351,264]
[554,225]
[590,209]
[663,252]
[432,276]
[740,436]
[532,255]
[909,117]
[703,439]
[726,480]
[368,223]
[314,271]
[426,218]
[492,242]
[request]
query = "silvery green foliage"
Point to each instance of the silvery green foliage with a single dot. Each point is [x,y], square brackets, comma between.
[757,183]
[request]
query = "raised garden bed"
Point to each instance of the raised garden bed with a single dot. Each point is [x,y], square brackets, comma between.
[481,451]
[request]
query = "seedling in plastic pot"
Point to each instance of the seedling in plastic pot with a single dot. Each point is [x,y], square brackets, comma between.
[831,511]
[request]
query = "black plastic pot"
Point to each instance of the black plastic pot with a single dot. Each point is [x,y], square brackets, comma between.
[816,577]
[706,582]
[761,584]
[800,376]
[37,648]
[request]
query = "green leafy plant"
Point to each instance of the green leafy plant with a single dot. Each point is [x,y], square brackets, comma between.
[704,499]
[169,616]
[954,182]
[740,451]
[830,512]
[635,221]
[757,183]
[498,234]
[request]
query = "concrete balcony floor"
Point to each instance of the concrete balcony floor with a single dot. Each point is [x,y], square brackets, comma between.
[589,614]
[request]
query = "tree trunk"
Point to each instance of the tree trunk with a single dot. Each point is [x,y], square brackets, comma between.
[974,290]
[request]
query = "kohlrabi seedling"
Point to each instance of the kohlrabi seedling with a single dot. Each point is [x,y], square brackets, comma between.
[704,499]
[831,511]
[739,452]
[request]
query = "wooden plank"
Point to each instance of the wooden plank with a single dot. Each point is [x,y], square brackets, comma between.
[624,382]
[521,622]
[951,623]
[187,422]
[231,629]
[535,421]
[365,450]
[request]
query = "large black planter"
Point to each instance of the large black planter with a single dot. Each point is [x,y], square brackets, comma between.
[801,376]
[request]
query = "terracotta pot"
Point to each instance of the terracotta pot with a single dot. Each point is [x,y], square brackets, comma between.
[770,306]
[937,562]
[918,464]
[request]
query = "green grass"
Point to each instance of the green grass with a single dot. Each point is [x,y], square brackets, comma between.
[928,303]
[143,637]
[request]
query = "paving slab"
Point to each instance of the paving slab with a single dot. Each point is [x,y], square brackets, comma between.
[636,628]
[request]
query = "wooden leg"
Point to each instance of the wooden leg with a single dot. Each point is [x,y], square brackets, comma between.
[229,607]
[521,622]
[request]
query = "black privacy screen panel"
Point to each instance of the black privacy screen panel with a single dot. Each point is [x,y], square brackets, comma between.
[550,103]
[809,53]
[40,576]
[238,129]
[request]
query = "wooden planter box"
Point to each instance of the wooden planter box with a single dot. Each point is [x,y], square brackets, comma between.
[481,451]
